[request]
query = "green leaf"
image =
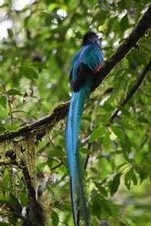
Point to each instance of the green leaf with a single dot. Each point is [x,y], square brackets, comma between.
[55,218]
[3,112]
[134,178]
[127,125]
[124,23]
[2,128]
[96,207]
[118,132]
[128,178]
[84,150]
[101,189]
[14,203]
[10,33]
[101,205]
[3,101]
[56,5]
[106,141]
[11,127]
[14,92]
[23,199]
[29,72]
[125,111]
[143,119]
[115,184]
[99,132]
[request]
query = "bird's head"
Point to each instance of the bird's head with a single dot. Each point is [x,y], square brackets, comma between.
[91,38]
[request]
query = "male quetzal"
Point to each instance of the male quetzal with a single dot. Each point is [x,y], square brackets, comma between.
[85,68]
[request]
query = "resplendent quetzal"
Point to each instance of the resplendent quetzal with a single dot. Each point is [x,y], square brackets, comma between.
[85,68]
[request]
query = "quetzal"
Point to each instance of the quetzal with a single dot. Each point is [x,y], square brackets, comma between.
[85,67]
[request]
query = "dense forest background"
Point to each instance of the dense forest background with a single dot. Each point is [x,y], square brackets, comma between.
[37,42]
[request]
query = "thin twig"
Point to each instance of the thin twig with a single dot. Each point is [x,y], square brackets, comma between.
[55,167]
[132,91]
[8,101]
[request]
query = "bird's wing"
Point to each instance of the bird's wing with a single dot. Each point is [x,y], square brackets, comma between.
[87,61]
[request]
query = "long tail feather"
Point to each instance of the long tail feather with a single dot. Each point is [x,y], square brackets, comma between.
[72,131]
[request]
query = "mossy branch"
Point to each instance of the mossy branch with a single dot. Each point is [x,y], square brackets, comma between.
[50,120]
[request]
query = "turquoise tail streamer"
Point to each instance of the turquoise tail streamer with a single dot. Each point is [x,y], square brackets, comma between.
[72,131]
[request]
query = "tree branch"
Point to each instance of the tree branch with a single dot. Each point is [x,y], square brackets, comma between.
[61,111]
[133,90]
[139,31]
[35,215]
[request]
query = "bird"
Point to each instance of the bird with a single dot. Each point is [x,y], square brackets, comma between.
[86,65]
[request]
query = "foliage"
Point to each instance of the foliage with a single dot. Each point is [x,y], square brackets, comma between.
[35,59]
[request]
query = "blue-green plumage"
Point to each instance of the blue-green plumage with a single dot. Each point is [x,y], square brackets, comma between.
[85,68]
